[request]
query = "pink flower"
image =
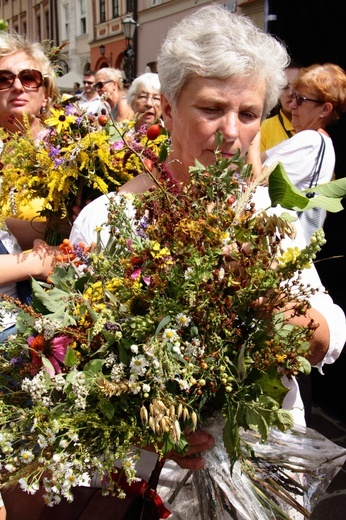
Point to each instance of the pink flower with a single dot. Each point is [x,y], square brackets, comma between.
[54,350]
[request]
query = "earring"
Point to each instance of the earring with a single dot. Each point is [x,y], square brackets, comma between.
[43,110]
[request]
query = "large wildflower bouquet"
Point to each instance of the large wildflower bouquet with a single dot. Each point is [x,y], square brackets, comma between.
[71,161]
[138,341]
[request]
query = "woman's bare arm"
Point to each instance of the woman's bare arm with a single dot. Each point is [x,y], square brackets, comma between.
[37,263]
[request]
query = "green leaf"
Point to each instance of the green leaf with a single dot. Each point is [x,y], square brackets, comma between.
[49,299]
[93,368]
[271,385]
[231,439]
[305,365]
[70,358]
[47,364]
[106,408]
[282,191]
[283,420]
[334,189]
[163,154]
[256,421]
[162,324]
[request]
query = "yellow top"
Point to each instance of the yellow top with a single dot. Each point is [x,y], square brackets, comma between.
[31,210]
[273,131]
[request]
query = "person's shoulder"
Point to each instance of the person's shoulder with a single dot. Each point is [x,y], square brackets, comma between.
[97,204]
[270,121]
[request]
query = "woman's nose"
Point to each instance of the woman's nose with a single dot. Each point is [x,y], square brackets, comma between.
[230,126]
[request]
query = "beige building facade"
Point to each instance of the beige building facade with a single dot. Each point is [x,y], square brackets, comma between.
[93,32]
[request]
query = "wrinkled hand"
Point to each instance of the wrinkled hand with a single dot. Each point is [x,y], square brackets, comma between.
[199,441]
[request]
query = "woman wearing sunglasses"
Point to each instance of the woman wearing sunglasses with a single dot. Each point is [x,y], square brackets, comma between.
[27,82]
[27,89]
[318,100]
[109,84]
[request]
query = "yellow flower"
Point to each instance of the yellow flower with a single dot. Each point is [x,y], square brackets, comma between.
[290,255]
[60,120]
[281,357]
[157,252]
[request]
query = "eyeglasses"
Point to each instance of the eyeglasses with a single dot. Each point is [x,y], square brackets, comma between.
[100,84]
[29,78]
[300,99]
[144,98]
[88,82]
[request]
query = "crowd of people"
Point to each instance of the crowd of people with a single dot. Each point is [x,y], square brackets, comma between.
[216,73]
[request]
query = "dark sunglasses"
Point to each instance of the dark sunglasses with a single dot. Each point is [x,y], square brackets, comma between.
[88,82]
[100,84]
[300,99]
[29,78]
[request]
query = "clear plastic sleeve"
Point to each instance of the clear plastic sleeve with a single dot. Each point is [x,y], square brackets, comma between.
[284,480]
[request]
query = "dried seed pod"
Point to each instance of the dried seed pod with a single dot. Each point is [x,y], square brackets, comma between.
[194,420]
[144,415]
[177,430]
[179,410]
[152,424]
[186,414]
[172,411]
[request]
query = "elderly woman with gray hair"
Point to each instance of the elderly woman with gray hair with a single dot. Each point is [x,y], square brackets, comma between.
[144,99]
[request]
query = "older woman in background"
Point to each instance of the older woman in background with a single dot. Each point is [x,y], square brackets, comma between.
[109,84]
[144,99]
[318,101]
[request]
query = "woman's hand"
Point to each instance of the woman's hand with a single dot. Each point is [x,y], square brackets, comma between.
[199,441]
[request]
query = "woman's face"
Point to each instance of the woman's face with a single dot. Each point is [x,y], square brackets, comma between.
[147,106]
[109,87]
[18,100]
[307,111]
[232,106]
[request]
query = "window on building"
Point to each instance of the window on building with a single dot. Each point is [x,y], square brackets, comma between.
[156,2]
[66,21]
[39,32]
[82,16]
[115,8]
[102,11]
[130,6]
[46,21]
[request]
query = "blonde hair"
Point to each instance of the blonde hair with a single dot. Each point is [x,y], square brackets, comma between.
[13,43]
[115,75]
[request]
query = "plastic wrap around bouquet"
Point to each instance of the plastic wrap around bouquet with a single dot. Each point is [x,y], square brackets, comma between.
[138,341]
[282,480]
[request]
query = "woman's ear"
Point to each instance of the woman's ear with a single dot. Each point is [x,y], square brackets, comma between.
[327,109]
[166,107]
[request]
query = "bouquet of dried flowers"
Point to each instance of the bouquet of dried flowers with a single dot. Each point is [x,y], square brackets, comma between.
[134,343]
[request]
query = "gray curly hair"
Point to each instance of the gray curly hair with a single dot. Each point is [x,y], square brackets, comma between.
[212,42]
